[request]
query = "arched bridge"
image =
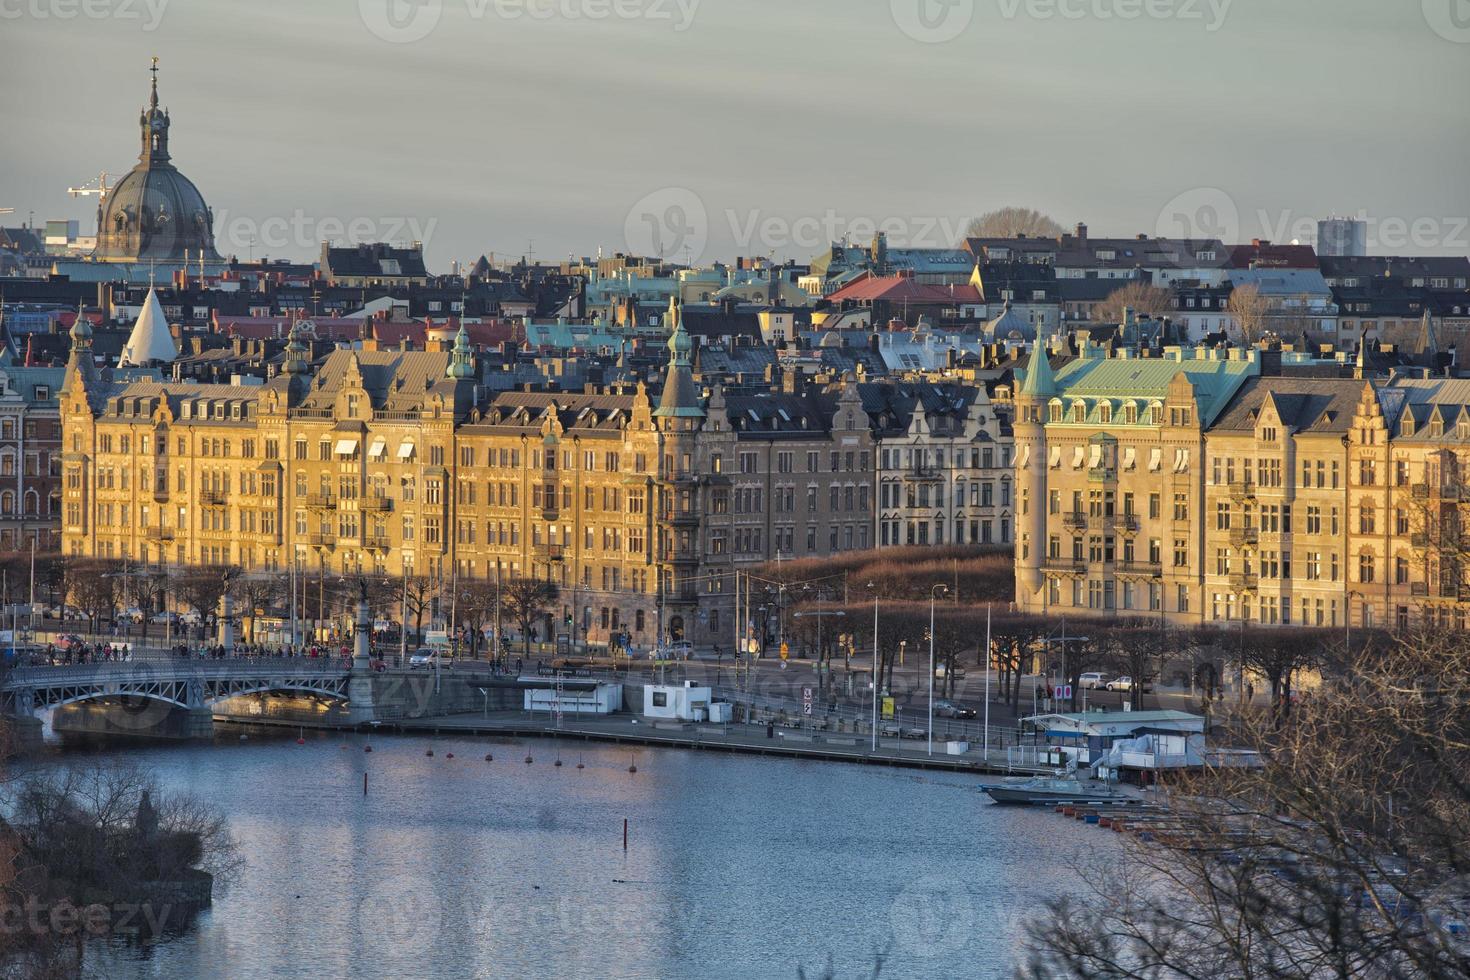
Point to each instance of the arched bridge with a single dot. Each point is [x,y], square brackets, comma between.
[188,684]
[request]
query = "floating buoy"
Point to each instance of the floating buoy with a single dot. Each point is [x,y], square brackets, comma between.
[489,757]
[557,763]
[244,738]
[580,766]
[449,755]
[528,760]
[367,748]
[301,741]
[430,752]
[633,768]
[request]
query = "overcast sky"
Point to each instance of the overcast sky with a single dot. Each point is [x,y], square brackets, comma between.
[711,128]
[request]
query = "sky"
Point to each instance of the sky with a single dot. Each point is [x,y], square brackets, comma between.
[707,129]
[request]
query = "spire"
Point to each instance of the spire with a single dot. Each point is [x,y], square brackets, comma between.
[150,340]
[154,126]
[462,359]
[81,332]
[295,362]
[1040,383]
[680,397]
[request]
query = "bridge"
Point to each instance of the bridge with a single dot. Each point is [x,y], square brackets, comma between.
[141,696]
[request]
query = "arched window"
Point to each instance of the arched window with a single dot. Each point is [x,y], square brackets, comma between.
[7,502]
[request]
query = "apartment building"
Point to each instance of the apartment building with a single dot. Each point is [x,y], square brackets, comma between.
[943,464]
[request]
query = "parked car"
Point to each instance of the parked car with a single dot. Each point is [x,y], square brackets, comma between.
[428,659]
[940,671]
[66,641]
[1094,679]
[1125,683]
[948,709]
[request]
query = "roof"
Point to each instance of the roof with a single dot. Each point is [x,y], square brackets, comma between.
[1304,405]
[905,289]
[150,340]
[1215,380]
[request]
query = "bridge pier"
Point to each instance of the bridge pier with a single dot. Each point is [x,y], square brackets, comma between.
[360,705]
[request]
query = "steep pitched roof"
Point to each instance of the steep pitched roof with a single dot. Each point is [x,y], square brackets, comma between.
[150,340]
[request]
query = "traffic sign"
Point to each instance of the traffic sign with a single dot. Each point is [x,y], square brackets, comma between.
[1064,692]
[806,700]
[785,650]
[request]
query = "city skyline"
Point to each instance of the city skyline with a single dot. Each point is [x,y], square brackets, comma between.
[559,166]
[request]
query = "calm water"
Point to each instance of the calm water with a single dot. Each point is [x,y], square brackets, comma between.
[737,866]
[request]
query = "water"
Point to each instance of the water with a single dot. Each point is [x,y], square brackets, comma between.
[737,866]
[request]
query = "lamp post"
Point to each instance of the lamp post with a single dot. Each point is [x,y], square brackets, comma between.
[874,726]
[933,597]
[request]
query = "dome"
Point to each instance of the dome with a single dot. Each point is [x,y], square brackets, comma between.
[1009,326]
[154,212]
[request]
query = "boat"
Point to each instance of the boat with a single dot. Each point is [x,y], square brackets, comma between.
[1047,791]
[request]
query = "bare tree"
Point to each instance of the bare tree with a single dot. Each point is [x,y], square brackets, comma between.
[477,599]
[1345,855]
[1011,222]
[93,585]
[203,587]
[1143,298]
[257,593]
[526,600]
[1250,312]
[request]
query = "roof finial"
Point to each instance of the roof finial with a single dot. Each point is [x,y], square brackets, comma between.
[153,96]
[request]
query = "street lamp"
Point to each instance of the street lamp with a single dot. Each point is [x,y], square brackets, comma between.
[933,596]
[874,727]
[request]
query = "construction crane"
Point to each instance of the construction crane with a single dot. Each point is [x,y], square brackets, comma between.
[86,189]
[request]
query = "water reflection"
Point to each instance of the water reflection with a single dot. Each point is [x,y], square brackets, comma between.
[736,866]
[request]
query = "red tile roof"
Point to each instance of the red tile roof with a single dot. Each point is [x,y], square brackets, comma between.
[905,289]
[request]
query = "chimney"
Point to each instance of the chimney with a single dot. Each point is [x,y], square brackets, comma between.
[1081,231]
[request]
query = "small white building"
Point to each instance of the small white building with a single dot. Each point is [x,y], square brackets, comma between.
[576,699]
[677,702]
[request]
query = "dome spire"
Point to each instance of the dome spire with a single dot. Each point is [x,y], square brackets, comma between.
[154,126]
[295,362]
[81,332]
[462,359]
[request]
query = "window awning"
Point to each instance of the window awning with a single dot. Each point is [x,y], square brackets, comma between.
[1155,459]
[346,447]
[378,448]
[1077,455]
[1023,459]
[1130,457]
[1095,458]
[405,451]
[1056,457]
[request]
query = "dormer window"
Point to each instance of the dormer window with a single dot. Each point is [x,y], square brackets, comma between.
[1079,412]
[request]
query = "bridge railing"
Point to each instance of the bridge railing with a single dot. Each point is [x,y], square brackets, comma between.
[243,667]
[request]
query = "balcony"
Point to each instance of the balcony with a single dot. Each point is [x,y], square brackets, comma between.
[1240,537]
[1102,474]
[1419,589]
[551,552]
[684,517]
[376,542]
[321,540]
[1075,519]
[1241,582]
[922,474]
[1242,490]
[1419,539]
[1152,569]
[321,501]
[1420,491]
[156,533]
[1127,523]
[213,498]
[160,495]
[374,503]
[1064,566]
